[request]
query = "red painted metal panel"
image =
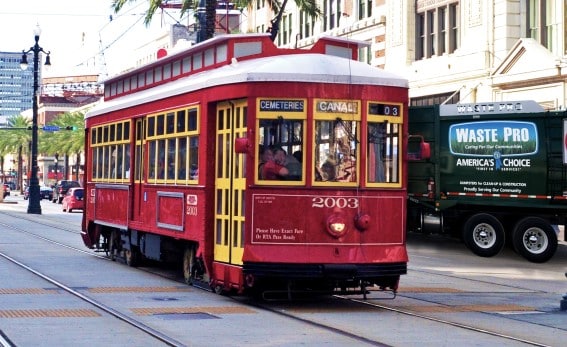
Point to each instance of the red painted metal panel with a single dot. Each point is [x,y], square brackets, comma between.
[111,203]
[170,209]
[294,228]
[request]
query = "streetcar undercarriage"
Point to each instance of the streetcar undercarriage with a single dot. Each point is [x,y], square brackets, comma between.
[266,280]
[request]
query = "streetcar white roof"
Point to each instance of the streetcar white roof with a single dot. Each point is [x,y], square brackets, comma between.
[311,67]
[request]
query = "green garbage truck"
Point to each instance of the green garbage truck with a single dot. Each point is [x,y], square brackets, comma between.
[496,175]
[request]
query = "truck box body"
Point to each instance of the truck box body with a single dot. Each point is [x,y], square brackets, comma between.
[492,165]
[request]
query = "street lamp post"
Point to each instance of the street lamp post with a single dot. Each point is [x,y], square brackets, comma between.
[34,206]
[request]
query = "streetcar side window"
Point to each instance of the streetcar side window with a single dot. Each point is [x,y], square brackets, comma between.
[110,152]
[172,142]
[182,159]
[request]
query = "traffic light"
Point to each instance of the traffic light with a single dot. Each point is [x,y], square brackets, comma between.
[71,128]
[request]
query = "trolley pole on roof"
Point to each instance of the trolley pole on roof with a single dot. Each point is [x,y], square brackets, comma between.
[34,207]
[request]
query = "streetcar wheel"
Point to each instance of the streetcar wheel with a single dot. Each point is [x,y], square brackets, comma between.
[189,265]
[132,257]
[483,234]
[534,239]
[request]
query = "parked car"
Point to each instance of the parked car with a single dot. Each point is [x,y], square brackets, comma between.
[61,188]
[6,189]
[74,200]
[44,193]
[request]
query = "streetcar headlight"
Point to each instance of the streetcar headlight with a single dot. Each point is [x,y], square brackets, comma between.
[336,226]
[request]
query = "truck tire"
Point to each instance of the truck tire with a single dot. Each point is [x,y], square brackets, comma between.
[483,234]
[534,239]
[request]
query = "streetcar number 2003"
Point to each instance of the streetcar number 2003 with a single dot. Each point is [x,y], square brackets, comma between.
[330,202]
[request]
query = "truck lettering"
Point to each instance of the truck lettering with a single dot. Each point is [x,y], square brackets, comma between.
[517,135]
[478,135]
[493,139]
[475,162]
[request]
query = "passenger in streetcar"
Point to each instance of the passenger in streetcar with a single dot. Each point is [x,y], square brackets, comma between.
[269,168]
[289,162]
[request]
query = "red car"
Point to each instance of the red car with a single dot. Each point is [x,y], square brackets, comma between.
[74,200]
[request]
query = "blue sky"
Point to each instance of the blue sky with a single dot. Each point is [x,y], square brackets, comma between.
[75,31]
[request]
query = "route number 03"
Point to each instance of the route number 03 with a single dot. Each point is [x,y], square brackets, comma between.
[330,202]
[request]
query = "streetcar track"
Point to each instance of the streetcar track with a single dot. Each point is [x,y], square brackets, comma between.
[327,327]
[443,321]
[287,314]
[144,327]
[127,319]
[56,223]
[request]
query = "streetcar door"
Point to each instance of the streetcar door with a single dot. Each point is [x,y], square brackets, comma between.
[230,182]
[137,200]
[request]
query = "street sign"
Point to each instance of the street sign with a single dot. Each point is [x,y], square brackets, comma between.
[50,128]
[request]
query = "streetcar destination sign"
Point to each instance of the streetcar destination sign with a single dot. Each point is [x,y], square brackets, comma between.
[282,105]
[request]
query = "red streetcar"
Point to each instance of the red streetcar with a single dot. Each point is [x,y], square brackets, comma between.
[254,167]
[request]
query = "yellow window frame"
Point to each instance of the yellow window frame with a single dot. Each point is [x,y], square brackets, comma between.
[274,115]
[391,117]
[167,136]
[346,110]
[105,145]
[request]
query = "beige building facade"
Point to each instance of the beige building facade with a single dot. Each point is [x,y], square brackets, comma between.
[451,51]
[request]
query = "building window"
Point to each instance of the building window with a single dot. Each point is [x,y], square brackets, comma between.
[365,54]
[544,24]
[437,30]
[306,25]
[364,9]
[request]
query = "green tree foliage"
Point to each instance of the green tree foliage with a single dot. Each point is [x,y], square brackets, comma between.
[64,142]
[308,6]
[15,139]
[16,134]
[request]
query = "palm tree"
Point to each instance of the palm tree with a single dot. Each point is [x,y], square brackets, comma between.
[16,137]
[308,6]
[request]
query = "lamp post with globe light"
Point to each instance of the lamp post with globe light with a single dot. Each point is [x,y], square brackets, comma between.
[34,207]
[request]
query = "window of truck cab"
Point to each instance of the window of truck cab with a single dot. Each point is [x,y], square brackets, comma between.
[280,130]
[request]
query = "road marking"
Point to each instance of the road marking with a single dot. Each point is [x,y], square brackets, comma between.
[146,311]
[50,313]
[139,289]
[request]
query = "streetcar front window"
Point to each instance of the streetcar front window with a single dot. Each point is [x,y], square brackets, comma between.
[383,144]
[280,150]
[383,152]
[336,150]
